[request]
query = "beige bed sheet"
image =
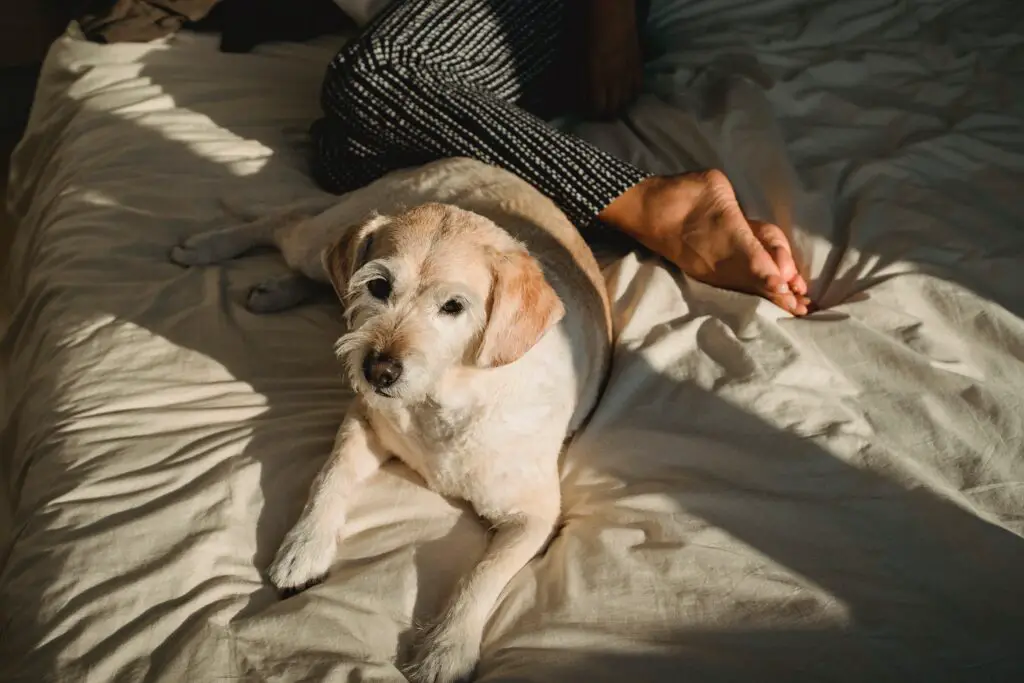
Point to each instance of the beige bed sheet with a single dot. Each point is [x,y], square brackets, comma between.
[758,498]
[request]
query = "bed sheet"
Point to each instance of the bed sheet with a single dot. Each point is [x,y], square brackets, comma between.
[837,498]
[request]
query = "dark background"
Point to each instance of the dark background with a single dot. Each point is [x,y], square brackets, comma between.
[26,31]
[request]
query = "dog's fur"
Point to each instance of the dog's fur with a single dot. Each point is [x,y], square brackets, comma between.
[486,396]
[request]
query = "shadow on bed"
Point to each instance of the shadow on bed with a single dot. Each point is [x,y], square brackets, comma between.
[923,585]
[931,590]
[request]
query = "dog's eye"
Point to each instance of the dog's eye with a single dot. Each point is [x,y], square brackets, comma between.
[452,307]
[379,288]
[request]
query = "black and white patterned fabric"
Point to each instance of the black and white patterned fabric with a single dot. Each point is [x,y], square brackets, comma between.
[430,79]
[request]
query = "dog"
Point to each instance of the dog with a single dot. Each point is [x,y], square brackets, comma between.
[478,341]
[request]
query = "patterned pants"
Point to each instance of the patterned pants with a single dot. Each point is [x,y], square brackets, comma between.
[430,79]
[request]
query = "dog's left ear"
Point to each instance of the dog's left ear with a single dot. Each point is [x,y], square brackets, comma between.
[348,253]
[523,308]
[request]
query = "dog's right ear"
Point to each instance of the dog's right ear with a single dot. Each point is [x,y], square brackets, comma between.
[348,253]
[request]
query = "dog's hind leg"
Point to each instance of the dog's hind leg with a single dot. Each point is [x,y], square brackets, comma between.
[232,240]
[223,244]
[247,209]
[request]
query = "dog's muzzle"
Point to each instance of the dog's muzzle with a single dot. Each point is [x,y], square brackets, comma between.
[381,370]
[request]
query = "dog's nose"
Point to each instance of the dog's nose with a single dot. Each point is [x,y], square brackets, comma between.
[381,370]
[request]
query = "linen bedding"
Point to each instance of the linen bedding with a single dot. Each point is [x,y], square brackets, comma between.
[757,498]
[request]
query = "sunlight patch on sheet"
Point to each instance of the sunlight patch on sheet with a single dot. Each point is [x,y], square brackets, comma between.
[127,91]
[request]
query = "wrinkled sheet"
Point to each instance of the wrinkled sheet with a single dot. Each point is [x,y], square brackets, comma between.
[758,498]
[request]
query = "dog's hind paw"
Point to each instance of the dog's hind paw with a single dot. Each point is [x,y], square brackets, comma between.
[195,251]
[185,256]
[279,294]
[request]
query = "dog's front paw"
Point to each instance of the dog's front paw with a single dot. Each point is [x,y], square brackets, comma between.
[444,655]
[303,559]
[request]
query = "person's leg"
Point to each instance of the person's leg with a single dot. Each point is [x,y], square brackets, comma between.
[431,79]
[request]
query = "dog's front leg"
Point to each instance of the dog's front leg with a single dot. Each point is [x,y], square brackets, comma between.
[309,548]
[448,651]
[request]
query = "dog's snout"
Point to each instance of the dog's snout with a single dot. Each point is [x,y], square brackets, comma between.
[381,370]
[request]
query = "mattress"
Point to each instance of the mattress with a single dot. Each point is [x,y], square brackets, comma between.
[758,497]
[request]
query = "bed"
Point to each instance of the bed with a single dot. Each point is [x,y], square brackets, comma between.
[757,497]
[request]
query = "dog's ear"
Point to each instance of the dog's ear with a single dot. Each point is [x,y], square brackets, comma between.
[523,307]
[348,253]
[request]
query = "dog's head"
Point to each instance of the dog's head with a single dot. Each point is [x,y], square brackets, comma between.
[432,289]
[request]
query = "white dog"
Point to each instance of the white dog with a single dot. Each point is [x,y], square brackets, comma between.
[479,340]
